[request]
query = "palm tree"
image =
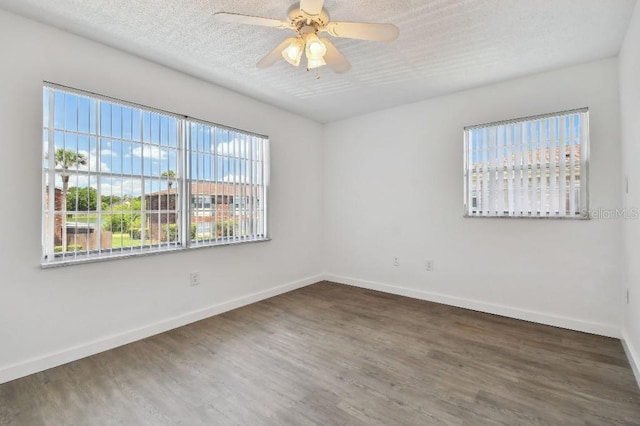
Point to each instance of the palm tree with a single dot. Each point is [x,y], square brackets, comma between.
[169,174]
[66,159]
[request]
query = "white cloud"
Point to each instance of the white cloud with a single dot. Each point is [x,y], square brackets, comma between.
[234,148]
[152,152]
[108,153]
[116,186]
[92,161]
[123,186]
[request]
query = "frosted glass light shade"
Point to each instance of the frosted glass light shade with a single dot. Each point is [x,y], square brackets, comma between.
[293,52]
[315,48]
[315,63]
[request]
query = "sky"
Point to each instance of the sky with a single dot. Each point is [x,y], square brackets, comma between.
[123,143]
[525,136]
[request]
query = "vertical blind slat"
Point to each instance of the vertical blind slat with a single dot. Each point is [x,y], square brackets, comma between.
[572,166]
[544,140]
[468,172]
[510,167]
[517,169]
[524,170]
[492,171]
[500,169]
[584,141]
[553,184]
[563,171]
[485,173]
[535,206]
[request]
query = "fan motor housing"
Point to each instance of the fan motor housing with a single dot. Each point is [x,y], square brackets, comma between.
[299,19]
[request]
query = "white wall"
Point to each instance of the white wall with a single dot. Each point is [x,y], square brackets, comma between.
[393,187]
[630,115]
[385,184]
[54,315]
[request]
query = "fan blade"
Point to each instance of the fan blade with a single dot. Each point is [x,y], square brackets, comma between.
[273,56]
[237,18]
[363,31]
[311,7]
[334,58]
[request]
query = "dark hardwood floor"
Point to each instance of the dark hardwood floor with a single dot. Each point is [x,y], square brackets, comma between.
[333,354]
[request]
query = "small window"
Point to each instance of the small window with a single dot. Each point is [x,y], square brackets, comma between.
[531,167]
[201,202]
[116,177]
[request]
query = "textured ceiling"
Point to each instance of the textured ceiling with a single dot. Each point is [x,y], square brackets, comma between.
[444,45]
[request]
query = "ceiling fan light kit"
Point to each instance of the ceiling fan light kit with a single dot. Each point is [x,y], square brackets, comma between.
[307,19]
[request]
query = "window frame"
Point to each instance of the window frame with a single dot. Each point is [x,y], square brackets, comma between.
[583,164]
[184,179]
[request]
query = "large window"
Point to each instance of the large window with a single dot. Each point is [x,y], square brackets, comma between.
[531,167]
[120,180]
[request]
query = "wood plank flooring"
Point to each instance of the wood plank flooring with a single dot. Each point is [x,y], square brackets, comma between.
[332,354]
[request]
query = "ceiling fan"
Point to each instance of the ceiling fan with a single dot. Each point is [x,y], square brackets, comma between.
[308,18]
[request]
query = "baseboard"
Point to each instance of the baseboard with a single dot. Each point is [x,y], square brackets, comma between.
[533,316]
[50,360]
[632,355]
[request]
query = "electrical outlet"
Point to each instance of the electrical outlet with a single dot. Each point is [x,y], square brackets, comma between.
[194,278]
[428,265]
[396,261]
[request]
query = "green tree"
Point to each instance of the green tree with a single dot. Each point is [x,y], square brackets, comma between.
[117,222]
[170,175]
[65,159]
[82,199]
[125,215]
[109,200]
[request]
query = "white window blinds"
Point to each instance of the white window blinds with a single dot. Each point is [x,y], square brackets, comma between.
[531,167]
[227,184]
[121,179]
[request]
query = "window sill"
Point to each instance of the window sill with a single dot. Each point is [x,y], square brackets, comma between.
[579,217]
[82,259]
